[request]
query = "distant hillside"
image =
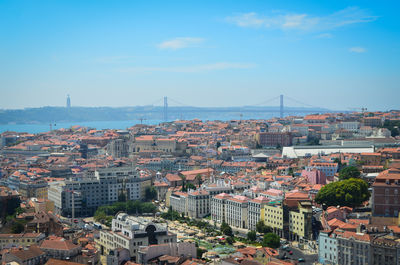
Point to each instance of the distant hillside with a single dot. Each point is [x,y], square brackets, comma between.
[83,114]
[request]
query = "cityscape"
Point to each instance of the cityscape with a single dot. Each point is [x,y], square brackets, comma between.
[201,132]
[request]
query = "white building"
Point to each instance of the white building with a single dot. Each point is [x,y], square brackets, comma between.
[236,211]
[254,211]
[179,202]
[198,204]
[327,247]
[218,204]
[103,188]
[131,233]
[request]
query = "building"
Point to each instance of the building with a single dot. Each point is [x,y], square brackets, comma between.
[300,226]
[68,102]
[385,193]
[273,217]
[385,250]
[256,211]
[182,249]
[307,151]
[60,248]
[198,204]
[327,247]
[107,185]
[328,168]
[131,233]
[20,240]
[314,176]
[353,248]
[118,148]
[274,139]
[33,189]
[178,201]
[236,211]
[25,256]
[218,204]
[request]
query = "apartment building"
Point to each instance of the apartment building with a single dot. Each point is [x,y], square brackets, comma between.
[198,204]
[300,226]
[386,193]
[327,247]
[353,248]
[218,204]
[328,168]
[236,211]
[131,233]
[273,217]
[273,139]
[179,202]
[20,240]
[105,187]
[256,211]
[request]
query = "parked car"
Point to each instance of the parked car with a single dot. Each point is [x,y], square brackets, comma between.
[291,252]
[301,260]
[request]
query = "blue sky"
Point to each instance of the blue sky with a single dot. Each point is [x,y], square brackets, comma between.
[339,55]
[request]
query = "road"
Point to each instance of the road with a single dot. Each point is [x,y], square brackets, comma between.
[309,259]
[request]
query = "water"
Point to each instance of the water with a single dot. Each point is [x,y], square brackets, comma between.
[45,127]
[39,128]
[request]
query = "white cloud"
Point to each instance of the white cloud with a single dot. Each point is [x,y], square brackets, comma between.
[324,36]
[303,22]
[191,69]
[357,49]
[180,43]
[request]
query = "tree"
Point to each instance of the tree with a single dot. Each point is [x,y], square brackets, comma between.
[262,228]
[190,186]
[199,179]
[252,235]
[150,193]
[230,240]
[200,252]
[122,197]
[17,227]
[271,240]
[349,172]
[350,192]
[226,229]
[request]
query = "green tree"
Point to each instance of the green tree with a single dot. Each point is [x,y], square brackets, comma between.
[200,252]
[17,227]
[350,192]
[271,240]
[262,228]
[199,179]
[150,193]
[121,197]
[252,235]
[230,240]
[226,229]
[349,172]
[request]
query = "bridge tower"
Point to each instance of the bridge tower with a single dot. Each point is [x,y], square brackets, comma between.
[165,109]
[281,106]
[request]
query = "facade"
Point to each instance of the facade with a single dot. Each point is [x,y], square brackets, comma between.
[273,139]
[118,148]
[236,211]
[273,217]
[131,233]
[22,240]
[102,189]
[300,226]
[60,248]
[353,248]
[386,193]
[327,247]
[178,201]
[329,169]
[218,205]
[314,176]
[256,211]
[182,249]
[385,250]
[198,204]
[36,189]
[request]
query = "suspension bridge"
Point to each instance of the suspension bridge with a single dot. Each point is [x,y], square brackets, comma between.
[271,105]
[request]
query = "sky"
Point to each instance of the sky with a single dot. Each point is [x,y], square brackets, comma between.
[341,55]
